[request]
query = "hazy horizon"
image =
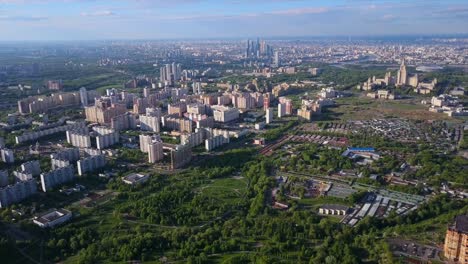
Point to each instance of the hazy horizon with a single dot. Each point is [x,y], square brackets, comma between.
[59,20]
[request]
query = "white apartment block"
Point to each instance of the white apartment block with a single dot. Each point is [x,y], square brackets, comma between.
[225,114]
[16,192]
[281,110]
[215,142]
[79,138]
[56,177]
[90,164]
[32,167]
[150,123]
[155,151]
[70,154]
[7,155]
[36,135]
[269,115]
[192,139]
[22,176]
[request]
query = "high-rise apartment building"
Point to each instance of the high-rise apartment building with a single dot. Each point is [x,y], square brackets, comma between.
[90,164]
[155,151]
[103,111]
[225,114]
[42,104]
[269,115]
[124,122]
[16,192]
[456,240]
[7,155]
[56,177]
[150,123]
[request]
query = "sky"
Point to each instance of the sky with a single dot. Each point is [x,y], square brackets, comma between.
[186,19]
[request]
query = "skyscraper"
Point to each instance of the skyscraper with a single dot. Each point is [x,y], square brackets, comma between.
[83,96]
[402,74]
[276,59]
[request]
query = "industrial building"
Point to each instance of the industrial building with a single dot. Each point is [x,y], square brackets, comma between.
[52,218]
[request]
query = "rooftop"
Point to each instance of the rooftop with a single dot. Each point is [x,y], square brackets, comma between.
[52,215]
[460,224]
[334,207]
[135,178]
[361,149]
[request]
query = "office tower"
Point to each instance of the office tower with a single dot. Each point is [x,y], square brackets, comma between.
[269,115]
[83,97]
[456,240]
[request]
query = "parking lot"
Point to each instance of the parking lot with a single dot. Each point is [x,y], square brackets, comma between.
[411,249]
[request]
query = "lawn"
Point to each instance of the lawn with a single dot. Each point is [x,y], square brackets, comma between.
[229,190]
[363,108]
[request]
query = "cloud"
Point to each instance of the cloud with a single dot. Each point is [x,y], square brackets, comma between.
[301,11]
[22,18]
[103,13]
[388,17]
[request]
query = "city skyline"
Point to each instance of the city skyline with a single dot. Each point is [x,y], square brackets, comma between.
[144,19]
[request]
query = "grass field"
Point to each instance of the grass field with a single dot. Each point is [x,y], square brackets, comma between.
[362,108]
[229,190]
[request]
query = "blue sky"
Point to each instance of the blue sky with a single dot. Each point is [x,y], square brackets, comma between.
[160,19]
